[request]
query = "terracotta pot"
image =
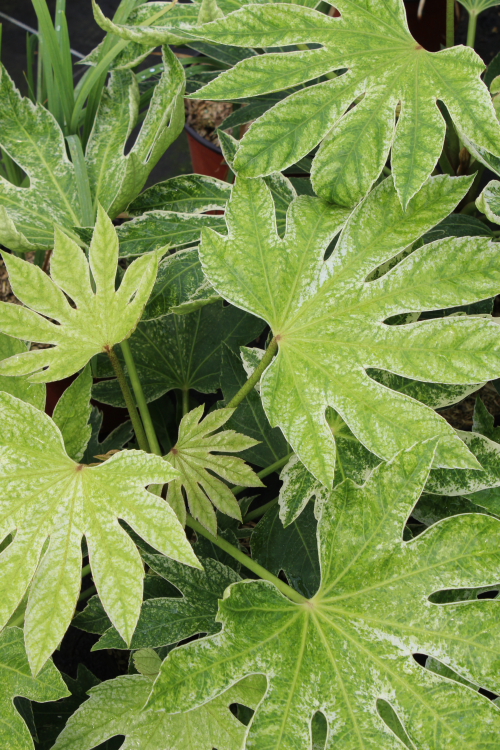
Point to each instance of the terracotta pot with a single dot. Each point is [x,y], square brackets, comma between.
[206,157]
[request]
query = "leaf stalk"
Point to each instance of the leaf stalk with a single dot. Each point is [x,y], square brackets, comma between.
[255,376]
[129,401]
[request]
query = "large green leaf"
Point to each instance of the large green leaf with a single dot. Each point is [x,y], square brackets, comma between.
[353,642]
[32,393]
[52,502]
[181,351]
[193,457]
[292,550]
[186,193]
[17,680]
[115,177]
[115,707]
[164,621]
[95,323]
[329,321]
[379,65]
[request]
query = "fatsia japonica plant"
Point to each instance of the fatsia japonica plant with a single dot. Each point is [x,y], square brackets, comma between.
[249,439]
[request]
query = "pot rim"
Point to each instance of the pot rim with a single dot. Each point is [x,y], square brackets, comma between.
[204,141]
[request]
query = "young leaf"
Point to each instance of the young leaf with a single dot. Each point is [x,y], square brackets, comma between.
[330,322]
[165,621]
[99,319]
[353,642]
[116,178]
[147,662]
[32,393]
[72,414]
[115,707]
[193,458]
[52,502]
[292,549]
[17,680]
[381,65]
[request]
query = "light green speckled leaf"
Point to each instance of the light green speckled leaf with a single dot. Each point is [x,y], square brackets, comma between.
[97,321]
[353,642]
[164,621]
[379,65]
[117,178]
[114,708]
[72,415]
[193,457]
[159,228]
[32,393]
[51,502]
[329,321]
[186,193]
[179,277]
[489,201]
[16,680]
[31,136]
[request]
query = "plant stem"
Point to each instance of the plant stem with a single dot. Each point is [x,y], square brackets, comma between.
[247,561]
[140,398]
[87,593]
[471,29]
[85,570]
[185,401]
[255,376]
[265,472]
[129,401]
[450,23]
[258,512]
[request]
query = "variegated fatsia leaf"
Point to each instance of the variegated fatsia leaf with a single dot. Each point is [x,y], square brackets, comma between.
[193,458]
[51,502]
[72,415]
[16,680]
[32,393]
[115,707]
[32,137]
[369,59]
[330,322]
[489,201]
[353,642]
[98,319]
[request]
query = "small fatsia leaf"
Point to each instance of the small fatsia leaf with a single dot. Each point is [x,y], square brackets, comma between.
[32,393]
[16,680]
[193,458]
[97,321]
[373,74]
[72,414]
[353,642]
[489,201]
[164,621]
[330,322]
[115,707]
[51,502]
[147,662]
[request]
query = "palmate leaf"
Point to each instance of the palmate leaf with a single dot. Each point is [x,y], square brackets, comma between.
[477,6]
[164,621]
[32,393]
[51,502]
[72,414]
[329,321]
[379,64]
[115,707]
[97,321]
[16,680]
[193,457]
[353,642]
[33,138]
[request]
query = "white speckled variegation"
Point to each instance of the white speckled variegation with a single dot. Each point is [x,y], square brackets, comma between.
[16,680]
[193,458]
[114,708]
[379,66]
[353,642]
[51,502]
[330,322]
[98,320]
[489,201]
